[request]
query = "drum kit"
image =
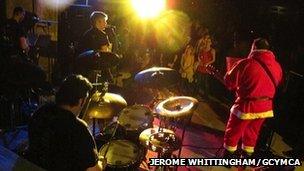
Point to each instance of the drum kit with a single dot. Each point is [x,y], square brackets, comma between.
[128,132]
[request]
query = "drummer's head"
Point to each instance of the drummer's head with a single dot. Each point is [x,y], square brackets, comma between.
[73,93]
[99,20]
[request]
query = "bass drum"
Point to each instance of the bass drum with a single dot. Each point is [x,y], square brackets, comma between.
[122,155]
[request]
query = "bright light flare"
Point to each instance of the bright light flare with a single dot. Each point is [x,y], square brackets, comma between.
[172,30]
[56,4]
[148,8]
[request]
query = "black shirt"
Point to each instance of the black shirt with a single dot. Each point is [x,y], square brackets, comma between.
[58,140]
[14,31]
[94,39]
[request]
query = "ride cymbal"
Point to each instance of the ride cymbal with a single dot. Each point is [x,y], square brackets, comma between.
[157,77]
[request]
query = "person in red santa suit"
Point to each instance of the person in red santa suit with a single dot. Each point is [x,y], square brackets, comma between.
[254,80]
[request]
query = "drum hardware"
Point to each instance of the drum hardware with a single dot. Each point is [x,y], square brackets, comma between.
[177,109]
[146,139]
[101,105]
[134,119]
[109,143]
[104,106]
[163,141]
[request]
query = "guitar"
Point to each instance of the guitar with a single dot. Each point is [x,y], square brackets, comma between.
[215,72]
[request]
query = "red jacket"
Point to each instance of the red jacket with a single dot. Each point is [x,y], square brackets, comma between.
[254,88]
[205,58]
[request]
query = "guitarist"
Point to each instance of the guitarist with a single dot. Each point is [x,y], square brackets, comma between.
[15,33]
[254,80]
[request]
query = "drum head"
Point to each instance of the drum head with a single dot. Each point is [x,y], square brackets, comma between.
[135,117]
[121,153]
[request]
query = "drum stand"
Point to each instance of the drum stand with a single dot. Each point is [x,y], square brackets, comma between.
[164,123]
[98,75]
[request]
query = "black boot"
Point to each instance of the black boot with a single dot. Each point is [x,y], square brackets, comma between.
[228,155]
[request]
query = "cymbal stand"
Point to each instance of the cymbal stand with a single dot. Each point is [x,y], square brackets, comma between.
[185,124]
[104,90]
[96,84]
[172,125]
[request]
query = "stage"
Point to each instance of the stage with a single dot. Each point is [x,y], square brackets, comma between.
[203,138]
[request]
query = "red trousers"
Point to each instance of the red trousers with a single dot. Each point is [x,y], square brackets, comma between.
[247,130]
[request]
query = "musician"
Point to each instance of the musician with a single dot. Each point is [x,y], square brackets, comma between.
[58,139]
[96,38]
[206,57]
[255,88]
[15,32]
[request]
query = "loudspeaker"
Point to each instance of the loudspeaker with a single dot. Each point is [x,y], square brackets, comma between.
[72,23]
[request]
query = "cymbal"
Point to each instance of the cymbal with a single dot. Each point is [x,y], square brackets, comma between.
[160,141]
[178,106]
[156,77]
[105,106]
[94,60]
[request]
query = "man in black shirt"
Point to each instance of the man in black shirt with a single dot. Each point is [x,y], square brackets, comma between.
[58,139]
[96,38]
[15,33]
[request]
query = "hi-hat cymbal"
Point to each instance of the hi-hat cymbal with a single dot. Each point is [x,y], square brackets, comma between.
[157,77]
[105,106]
[178,106]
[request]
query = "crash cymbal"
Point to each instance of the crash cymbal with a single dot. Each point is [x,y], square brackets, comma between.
[178,106]
[105,106]
[157,77]
[164,141]
[94,60]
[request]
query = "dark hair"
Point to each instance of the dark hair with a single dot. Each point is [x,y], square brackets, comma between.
[18,10]
[261,43]
[72,89]
[97,15]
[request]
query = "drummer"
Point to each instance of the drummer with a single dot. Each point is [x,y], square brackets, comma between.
[58,139]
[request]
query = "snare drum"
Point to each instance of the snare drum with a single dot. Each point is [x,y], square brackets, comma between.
[135,119]
[122,155]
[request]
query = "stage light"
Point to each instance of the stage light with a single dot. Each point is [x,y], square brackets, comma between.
[56,4]
[148,8]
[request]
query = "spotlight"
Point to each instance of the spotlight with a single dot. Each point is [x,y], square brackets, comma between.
[148,8]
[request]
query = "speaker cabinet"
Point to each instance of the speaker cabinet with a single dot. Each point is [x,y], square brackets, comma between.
[72,23]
